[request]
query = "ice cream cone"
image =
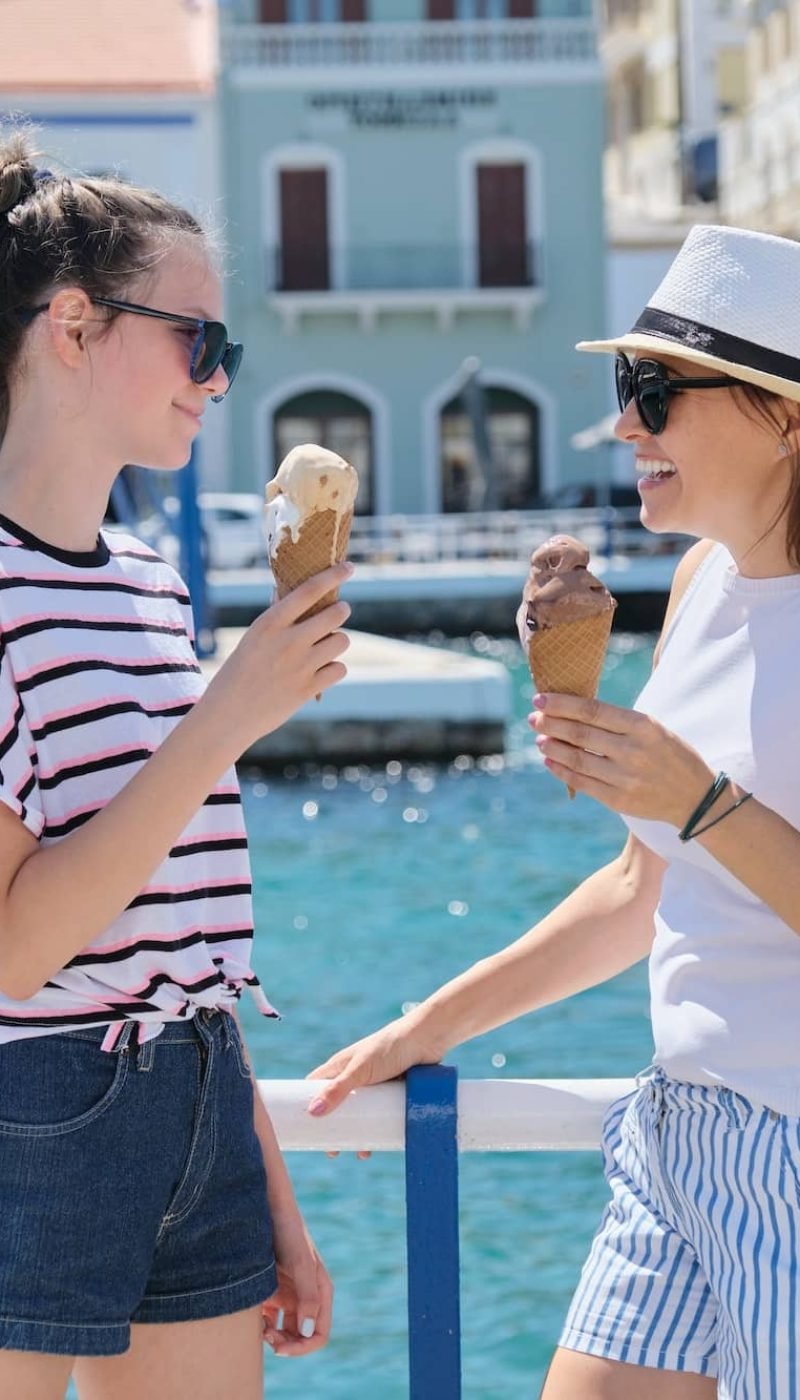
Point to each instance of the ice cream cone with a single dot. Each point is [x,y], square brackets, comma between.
[322,540]
[568,659]
[564,620]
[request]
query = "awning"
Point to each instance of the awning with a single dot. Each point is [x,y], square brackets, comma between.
[597,436]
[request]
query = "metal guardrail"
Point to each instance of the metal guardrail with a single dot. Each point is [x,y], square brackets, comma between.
[403,267]
[503,534]
[432,1118]
[436,43]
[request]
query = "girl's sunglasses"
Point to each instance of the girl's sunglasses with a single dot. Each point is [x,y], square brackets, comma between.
[210,348]
[648,383]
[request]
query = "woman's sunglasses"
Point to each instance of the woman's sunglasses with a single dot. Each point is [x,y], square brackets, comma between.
[210,348]
[648,383]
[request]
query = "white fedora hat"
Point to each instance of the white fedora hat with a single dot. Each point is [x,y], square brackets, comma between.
[729,302]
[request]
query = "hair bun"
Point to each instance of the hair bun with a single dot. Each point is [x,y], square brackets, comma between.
[17,174]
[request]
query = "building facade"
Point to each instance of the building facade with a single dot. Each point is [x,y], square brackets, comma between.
[415,197]
[673,68]
[760,145]
[144,108]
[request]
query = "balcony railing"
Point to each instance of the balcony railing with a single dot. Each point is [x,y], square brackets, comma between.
[432,1119]
[402,267]
[451,42]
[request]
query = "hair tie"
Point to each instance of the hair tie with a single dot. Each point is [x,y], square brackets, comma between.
[40,176]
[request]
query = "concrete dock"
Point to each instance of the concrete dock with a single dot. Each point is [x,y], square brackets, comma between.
[400,700]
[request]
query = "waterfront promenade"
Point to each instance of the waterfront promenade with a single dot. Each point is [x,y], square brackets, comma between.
[460,574]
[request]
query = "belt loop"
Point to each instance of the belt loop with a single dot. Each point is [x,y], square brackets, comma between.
[123,1039]
[146,1054]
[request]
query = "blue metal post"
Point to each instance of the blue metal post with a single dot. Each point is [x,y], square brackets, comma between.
[434,1325]
[192,557]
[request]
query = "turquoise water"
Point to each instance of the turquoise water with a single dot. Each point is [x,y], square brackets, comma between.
[372,887]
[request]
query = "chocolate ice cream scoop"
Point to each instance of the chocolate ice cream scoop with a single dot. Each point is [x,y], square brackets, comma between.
[560,588]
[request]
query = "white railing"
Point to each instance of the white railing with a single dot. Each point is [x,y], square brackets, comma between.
[395,44]
[502,534]
[494,1115]
[432,1118]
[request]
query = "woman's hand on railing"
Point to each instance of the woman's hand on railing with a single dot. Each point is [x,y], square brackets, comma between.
[386,1054]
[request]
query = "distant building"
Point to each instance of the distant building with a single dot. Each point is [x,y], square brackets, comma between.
[414,184]
[127,89]
[673,68]
[760,145]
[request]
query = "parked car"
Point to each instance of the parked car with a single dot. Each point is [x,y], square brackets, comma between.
[233,522]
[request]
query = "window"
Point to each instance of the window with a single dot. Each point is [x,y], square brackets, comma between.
[303,257]
[504,250]
[510,480]
[312,11]
[482,9]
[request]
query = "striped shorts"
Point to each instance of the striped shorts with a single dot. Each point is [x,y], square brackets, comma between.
[695,1264]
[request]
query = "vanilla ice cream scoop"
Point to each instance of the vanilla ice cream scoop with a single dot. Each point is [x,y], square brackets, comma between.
[309,513]
[309,479]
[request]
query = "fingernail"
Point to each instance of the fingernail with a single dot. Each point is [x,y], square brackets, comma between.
[316,1107]
[279,1320]
[347,567]
[541,741]
[307,1327]
[539,701]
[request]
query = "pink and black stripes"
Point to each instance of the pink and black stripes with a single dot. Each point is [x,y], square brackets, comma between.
[97,666]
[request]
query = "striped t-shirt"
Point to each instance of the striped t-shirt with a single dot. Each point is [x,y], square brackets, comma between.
[97,665]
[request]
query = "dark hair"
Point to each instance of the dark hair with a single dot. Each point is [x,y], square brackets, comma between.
[60,230]
[771,409]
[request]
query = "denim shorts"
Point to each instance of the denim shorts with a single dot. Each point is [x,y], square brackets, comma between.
[132,1186]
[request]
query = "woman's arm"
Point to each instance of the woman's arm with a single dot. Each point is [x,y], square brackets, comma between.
[602,928]
[54,900]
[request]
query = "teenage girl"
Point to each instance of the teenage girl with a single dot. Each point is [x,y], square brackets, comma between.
[147,1213]
[692,1287]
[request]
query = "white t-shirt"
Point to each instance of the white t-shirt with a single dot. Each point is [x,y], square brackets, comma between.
[724,968]
[97,666]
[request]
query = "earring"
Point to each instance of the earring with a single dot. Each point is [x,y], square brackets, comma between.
[783,448]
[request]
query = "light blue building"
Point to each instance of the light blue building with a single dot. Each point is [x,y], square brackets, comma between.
[408,190]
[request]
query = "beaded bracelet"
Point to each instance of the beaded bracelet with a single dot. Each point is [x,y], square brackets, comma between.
[704,805]
[726,813]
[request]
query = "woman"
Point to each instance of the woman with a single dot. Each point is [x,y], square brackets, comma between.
[147,1214]
[691,1287]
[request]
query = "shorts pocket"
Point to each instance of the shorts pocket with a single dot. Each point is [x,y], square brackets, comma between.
[54,1084]
[790,1151]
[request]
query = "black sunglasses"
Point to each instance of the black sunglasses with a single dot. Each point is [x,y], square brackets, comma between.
[647,382]
[210,349]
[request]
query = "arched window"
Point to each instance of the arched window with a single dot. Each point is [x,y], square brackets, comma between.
[336,421]
[509,479]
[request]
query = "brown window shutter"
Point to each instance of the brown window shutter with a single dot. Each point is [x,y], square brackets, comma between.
[304,257]
[521,9]
[273,11]
[353,11]
[441,9]
[503,253]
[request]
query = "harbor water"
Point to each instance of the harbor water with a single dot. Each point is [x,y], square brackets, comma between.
[372,886]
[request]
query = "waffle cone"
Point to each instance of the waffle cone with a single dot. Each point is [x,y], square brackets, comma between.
[321,541]
[568,659]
